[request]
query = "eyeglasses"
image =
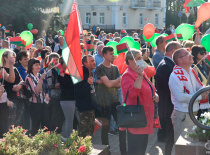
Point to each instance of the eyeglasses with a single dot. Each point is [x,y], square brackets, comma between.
[202,53]
[187,54]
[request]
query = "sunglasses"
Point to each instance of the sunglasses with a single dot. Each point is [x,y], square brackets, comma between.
[202,53]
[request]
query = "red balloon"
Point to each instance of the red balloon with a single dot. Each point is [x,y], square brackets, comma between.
[120,63]
[148,30]
[34,31]
[150,71]
[29,46]
[203,14]
[185,6]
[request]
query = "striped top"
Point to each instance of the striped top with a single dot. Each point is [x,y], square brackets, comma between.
[32,81]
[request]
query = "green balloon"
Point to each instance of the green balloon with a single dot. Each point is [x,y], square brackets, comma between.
[164,34]
[150,39]
[62,33]
[1,53]
[205,42]
[129,40]
[153,42]
[137,45]
[30,26]
[144,37]
[186,30]
[27,36]
[114,45]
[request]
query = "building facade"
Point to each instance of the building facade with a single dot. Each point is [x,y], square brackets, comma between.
[119,14]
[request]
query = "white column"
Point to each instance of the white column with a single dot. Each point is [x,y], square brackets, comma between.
[164,13]
[115,10]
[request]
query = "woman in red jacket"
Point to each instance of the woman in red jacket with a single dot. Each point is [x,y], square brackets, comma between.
[136,82]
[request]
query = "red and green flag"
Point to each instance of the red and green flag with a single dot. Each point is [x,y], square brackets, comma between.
[7,31]
[59,69]
[0,25]
[90,47]
[123,31]
[71,52]
[169,38]
[122,48]
[17,41]
[207,59]
[47,64]
[179,36]
[52,62]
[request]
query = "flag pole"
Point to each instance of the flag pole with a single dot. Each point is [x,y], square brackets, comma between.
[90,75]
[200,60]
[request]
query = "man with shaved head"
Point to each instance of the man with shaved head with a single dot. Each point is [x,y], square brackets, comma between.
[183,84]
[165,106]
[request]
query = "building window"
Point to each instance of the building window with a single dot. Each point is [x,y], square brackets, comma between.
[101,18]
[124,19]
[156,19]
[87,18]
[141,19]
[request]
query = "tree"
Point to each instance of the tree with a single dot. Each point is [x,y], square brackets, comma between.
[172,9]
[16,14]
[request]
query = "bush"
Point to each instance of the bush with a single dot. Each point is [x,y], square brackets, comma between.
[198,133]
[16,142]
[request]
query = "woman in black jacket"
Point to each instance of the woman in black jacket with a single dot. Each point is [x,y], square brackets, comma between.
[67,100]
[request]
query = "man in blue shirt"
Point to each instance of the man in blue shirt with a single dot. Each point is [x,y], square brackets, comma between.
[98,59]
[159,52]
[22,59]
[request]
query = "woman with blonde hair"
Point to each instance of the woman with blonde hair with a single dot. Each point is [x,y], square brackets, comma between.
[12,85]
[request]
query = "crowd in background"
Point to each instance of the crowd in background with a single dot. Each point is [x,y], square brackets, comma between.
[34,95]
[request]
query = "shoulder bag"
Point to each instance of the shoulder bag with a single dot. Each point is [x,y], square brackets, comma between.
[131,116]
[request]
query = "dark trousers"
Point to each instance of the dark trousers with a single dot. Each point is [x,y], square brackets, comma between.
[16,112]
[39,115]
[161,135]
[137,143]
[106,117]
[57,116]
[169,136]
[122,142]
[26,123]
[86,124]
[4,114]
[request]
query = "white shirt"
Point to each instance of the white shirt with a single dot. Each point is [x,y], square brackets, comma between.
[56,48]
[181,99]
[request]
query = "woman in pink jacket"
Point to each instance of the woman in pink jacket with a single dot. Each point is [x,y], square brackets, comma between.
[135,80]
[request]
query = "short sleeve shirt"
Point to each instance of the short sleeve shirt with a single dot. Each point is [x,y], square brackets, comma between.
[106,95]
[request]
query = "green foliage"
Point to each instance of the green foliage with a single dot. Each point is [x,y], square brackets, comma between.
[16,14]
[16,142]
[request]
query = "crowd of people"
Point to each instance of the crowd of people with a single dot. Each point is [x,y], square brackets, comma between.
[35,95]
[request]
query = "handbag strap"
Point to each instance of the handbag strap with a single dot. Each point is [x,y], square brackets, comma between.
[150,87]
[127,96]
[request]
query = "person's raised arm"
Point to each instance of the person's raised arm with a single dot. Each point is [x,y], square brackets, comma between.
[138,81]
[111,83]
[11,76]
[38,88]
